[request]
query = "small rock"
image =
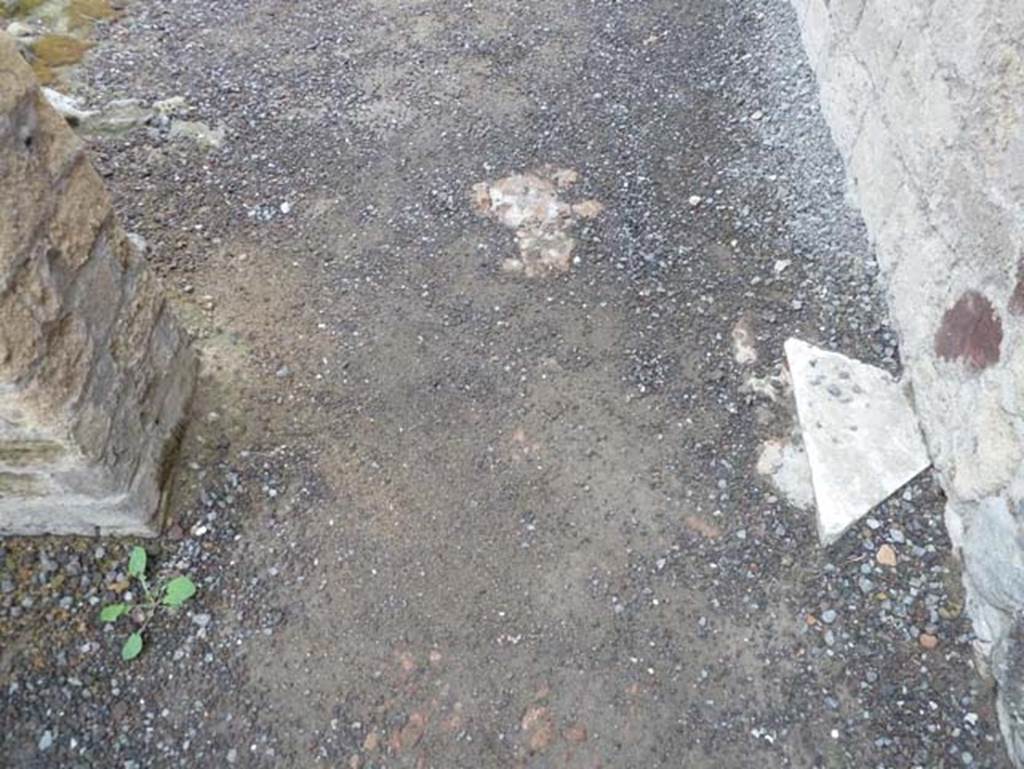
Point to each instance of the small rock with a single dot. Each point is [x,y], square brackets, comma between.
[371,742]
[928,641]
[23,34]
[232,756]
[118,116]
[202,620]
[198,132]
[828,616]
[46,741]
[173,105]
[886,555]
[695,200]
[138,243]
[68,107]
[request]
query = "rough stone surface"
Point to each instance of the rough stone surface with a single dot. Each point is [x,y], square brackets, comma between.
[923,99]
[95,375]
[862,438]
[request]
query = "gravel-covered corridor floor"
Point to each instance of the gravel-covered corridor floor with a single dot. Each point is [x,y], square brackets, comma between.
[446,514]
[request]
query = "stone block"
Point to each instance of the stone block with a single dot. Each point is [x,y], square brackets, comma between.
[95,374]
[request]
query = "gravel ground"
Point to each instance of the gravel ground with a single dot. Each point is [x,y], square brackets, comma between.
[445,515]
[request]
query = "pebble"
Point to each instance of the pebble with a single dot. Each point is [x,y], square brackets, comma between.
[828,616]
[886,555]
[928,641]
[202,620]
[46,741]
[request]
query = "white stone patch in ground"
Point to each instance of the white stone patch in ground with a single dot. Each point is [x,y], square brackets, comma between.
[861,435]
[784,463]
[774,387]
[530,204]
[743,348]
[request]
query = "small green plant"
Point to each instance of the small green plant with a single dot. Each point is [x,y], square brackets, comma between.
[170,595]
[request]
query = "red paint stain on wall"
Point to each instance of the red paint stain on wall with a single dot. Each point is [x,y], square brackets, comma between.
[970,331]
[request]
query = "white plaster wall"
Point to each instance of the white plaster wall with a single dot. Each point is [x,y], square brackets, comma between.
[925,100]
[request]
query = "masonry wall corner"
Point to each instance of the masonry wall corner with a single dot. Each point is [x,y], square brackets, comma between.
[95,374]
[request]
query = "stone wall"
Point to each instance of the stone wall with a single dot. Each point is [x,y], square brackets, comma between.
[95,375]
[925,99]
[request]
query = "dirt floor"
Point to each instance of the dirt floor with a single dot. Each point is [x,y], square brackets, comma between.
[446,509]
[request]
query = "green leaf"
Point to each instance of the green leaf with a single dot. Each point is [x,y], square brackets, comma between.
[132,647]
[178,590]
[137,562]
[112,611]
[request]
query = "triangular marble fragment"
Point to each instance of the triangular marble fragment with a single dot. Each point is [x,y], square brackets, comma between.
[862,437]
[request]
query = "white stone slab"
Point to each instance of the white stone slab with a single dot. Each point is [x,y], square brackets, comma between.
[862,438]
